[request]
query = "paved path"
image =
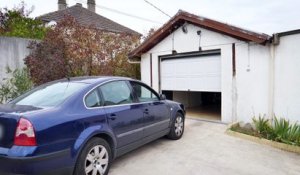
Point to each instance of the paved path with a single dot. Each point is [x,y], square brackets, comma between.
[206,149]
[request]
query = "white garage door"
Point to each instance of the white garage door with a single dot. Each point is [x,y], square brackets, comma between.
[201,73]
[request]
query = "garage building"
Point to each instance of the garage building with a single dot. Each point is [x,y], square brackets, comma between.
[222,72]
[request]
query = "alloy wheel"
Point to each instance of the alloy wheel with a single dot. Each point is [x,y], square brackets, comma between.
[179,126]
[96,161]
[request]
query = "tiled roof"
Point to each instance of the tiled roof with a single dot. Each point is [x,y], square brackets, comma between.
[86,17]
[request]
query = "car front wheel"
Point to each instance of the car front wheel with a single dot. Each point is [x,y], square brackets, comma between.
[177,127]
[94,159]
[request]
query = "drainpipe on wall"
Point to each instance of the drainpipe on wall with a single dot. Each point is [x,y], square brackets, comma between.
[275,41]
[234,88]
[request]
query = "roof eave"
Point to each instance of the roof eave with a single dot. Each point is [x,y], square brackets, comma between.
[182,17]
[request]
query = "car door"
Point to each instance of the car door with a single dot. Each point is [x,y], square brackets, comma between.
[156,112]
[124,117]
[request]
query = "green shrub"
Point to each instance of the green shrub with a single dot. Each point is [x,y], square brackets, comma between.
[280,130]
[262,127]
[18,84]
[286,132]
[294,134]
[17,23]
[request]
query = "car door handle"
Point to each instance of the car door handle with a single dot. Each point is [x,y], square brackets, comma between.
[112,116]
[146,111]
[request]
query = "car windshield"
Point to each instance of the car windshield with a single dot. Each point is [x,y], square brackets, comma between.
[49,95]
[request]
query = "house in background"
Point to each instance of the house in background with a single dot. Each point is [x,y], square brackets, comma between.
[14,50]
[86,17]
[221,70]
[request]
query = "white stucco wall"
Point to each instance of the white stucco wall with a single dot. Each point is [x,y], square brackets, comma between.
[252,79]
[12,53]
[287,78]
[249,94]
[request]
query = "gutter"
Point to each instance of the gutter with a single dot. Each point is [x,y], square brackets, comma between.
[134,62]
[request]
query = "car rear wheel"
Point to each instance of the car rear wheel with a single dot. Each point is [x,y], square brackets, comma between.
[95,158]
[177,127]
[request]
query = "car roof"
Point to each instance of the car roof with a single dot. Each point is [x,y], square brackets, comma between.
[93,79]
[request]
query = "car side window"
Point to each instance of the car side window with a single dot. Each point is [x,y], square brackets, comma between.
[116,93]
[92,99]
[143,93]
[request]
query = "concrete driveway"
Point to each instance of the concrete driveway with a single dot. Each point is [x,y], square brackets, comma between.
[206,149]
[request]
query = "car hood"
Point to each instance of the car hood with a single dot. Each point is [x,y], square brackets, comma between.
[172,102]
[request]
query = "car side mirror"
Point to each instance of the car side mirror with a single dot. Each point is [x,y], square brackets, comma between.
[162,97]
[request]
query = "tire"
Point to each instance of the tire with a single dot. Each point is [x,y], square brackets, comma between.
[95,156]
[177,127]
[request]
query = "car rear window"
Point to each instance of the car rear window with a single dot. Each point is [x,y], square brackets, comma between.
[49,95]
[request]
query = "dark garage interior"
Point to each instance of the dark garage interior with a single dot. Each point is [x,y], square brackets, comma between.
[202,105]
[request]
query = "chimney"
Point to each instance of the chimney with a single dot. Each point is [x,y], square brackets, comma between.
[62,4]
[91,4]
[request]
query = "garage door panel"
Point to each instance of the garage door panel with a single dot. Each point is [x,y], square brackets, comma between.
[194,74]
[169,70]
[181,83]
[168,83]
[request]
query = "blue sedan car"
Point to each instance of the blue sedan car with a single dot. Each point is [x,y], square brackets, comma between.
[80,125]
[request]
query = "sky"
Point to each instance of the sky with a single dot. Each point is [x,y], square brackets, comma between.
[263,16]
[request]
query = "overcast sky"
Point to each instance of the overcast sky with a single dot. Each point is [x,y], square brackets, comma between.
[265,16]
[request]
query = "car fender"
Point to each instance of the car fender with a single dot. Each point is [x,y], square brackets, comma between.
[175,108]
[89,133]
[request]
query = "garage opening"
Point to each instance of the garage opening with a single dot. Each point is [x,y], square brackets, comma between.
[202,105]
[193,79]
